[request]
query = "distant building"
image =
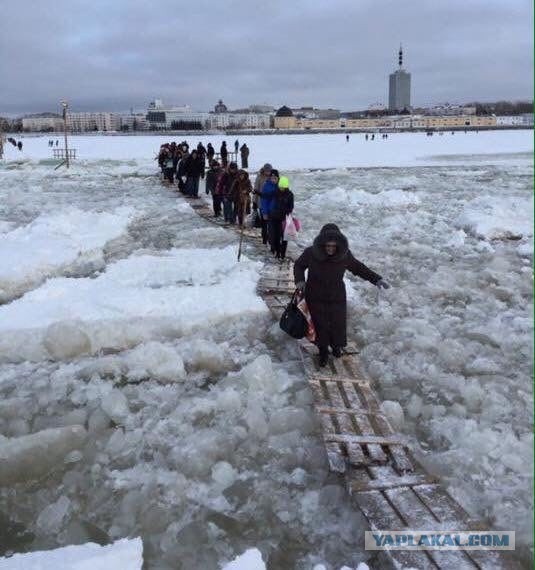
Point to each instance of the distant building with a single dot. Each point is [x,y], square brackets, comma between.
[377,108]
[514,120]
[134,122]
[220,107]
[399,92]
[284,118]
[263,109]
[239,121]
[448,109]
[386,122]
[85,122]
[328,113]
[42,124]
[160,116]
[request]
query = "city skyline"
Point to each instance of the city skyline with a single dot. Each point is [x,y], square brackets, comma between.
[117,56]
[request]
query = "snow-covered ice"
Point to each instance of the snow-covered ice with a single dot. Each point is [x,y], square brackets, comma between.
[125,554]
[193,420]
[51,244]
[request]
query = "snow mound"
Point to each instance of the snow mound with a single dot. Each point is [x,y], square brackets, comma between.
[51,243]
[124,554]
[134,300]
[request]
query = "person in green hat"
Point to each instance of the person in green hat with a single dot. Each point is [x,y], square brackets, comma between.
[283,205]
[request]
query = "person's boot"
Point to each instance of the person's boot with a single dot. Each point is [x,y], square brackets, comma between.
[337,351]
[324,357]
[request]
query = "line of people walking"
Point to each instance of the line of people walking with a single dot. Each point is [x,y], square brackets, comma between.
[176,161]
[318,272]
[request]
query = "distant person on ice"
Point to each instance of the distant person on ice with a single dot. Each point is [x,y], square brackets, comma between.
[326,261]
[224,154]
[236,146]
[210,152]
[244,154]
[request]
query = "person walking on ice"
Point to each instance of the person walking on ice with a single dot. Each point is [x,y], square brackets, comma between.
[327,260]
[244,152]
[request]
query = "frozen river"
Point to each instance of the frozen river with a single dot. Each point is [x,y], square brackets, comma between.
[124,313]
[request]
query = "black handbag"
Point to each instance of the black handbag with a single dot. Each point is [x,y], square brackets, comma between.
[293,321]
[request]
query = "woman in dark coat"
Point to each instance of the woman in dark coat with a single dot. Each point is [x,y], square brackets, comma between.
[327,260]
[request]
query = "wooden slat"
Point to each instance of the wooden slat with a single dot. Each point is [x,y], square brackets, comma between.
[364,425]
[381,484]
[382,516]
[366,439]
[415,513]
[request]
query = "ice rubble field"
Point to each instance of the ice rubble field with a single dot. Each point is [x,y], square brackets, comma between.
[135,345]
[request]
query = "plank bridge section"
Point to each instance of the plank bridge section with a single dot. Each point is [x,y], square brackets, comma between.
[390,487]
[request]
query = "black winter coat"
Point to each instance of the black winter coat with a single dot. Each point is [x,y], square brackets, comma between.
[283,204]
[194,167]
[211,179]
[325,291]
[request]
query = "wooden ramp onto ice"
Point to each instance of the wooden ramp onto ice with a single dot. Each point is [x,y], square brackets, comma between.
[389,486]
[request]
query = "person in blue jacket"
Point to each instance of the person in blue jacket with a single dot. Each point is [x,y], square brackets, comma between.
[267,195]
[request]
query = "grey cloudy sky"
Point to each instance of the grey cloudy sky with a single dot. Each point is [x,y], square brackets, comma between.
[114,54]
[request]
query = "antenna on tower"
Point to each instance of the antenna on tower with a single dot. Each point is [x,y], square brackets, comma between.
[400,59]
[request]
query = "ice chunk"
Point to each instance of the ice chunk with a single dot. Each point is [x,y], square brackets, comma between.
[66,339]
[224,475]
[250,560]
[394,412]
[155,360]
[52,517]
[205,355]
[32,456]
[115,405]
[414,408]
[124,554]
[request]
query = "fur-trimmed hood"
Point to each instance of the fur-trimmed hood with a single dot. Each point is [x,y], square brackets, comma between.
[330,232]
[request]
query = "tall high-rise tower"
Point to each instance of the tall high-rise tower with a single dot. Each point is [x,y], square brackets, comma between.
[399,93]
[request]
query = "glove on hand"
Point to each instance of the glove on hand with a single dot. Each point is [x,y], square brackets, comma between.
[382,284]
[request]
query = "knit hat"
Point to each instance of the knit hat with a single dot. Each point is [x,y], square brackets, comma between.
[275,172]
[284,184]
[267,166]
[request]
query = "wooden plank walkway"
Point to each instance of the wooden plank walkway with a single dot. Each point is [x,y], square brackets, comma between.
[383,479]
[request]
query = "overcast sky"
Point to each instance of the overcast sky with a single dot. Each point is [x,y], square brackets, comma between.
[114,54]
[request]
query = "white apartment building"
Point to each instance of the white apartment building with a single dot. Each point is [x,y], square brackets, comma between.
[239,121]
[514,120]
[86,122]
[42,124]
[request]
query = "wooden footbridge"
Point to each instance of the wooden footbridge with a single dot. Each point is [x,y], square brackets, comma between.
[393,491]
